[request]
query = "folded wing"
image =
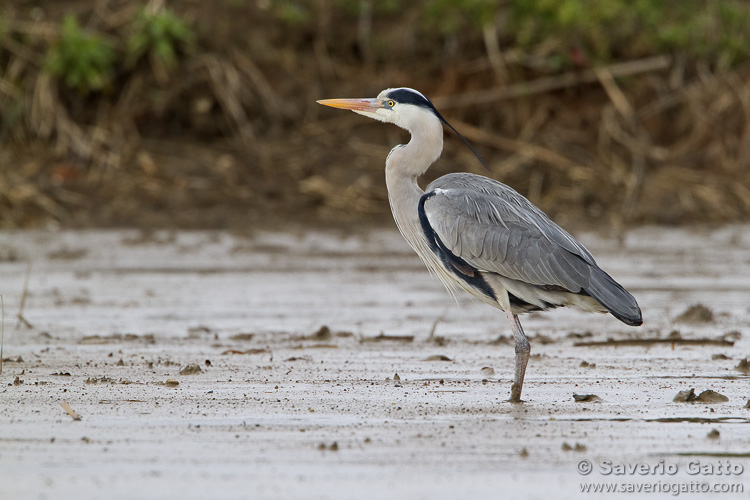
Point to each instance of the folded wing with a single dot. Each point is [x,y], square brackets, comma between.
[492,228]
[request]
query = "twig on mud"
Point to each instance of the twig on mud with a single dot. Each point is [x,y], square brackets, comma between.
[647,342]
[24,294]
[434,327]
[547,84]
[70,411]
[392,338]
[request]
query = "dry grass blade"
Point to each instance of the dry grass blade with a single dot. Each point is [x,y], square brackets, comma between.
[616,95]
[269,97]
[10,90]
[227,89]
[526,149]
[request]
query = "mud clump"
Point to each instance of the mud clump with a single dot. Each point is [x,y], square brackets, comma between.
[242,337]
[708,396]
[697,313]
[438,357]
[587,398]
[332,447]
[191,369]
[743,366]
[324,333]
[578,447]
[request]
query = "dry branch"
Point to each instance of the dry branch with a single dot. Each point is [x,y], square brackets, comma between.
[542,85]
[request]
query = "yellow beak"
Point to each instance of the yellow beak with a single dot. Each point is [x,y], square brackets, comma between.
[367,105]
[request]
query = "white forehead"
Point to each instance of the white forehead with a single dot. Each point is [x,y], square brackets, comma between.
[384,93]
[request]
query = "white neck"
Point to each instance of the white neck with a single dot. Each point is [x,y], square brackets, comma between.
[404,165]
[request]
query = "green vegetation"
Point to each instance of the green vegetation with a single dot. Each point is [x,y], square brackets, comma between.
[598,31]
[631,28]
[161,36]
[83,61]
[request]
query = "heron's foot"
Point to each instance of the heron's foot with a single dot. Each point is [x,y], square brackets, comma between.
[515,393]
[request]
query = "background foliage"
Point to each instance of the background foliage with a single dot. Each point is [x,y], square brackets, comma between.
[203,114]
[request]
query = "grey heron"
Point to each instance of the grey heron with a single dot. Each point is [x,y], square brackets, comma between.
[480,235]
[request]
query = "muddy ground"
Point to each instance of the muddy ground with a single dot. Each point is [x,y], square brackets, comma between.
[199,368]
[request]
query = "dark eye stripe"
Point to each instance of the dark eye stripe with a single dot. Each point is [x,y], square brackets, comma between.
[404,96]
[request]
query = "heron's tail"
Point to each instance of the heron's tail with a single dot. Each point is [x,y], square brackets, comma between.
[614,297]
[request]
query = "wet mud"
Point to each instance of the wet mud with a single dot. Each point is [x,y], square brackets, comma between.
[325,365]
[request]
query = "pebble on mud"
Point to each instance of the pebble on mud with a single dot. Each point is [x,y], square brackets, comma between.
[718,357]
[697,313]
[713,434]
[170,382]
[587,398]
[586,364]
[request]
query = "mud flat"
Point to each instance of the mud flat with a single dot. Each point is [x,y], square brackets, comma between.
[198,366]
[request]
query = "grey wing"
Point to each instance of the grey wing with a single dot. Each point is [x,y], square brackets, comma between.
[494,229]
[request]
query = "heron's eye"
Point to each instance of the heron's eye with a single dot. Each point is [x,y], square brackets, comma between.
[391,104]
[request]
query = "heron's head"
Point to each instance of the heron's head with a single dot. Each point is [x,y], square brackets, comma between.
[403,106]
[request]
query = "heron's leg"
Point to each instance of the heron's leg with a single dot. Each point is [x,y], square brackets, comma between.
[523,348]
